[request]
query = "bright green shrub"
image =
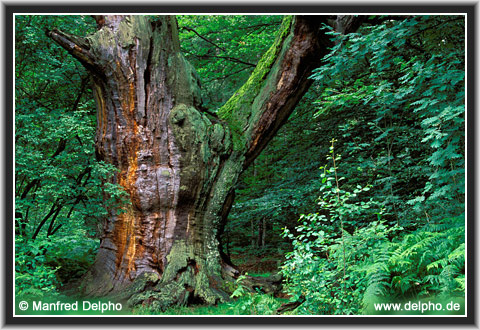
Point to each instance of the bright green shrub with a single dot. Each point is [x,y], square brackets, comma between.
[326,260]
[342,272]
[33,277]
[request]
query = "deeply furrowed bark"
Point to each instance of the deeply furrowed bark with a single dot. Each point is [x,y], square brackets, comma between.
[178,167]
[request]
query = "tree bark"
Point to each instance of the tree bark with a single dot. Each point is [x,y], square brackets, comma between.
[178,166]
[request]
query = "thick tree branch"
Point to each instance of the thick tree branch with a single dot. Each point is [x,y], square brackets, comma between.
[76,46]
[303,53]
[262,105]
[281,78]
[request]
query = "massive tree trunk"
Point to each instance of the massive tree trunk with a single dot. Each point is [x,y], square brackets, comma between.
[178,165]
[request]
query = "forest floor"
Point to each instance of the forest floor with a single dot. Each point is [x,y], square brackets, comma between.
[247,304]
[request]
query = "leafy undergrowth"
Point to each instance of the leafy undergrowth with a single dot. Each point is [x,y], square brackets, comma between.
[244,302]
[249,304]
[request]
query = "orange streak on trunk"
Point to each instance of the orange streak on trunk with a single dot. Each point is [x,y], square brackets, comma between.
[124,233]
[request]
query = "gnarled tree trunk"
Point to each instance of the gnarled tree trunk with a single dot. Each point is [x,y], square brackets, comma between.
[178,165]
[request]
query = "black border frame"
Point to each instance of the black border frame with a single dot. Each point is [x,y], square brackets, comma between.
[9,11]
